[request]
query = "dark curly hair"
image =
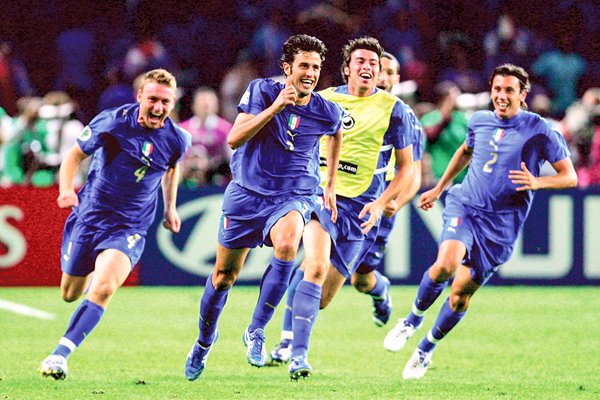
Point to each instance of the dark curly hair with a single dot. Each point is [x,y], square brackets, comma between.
[300,43]
[364,43]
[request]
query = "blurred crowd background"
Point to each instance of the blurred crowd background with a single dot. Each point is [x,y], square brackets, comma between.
[63,61]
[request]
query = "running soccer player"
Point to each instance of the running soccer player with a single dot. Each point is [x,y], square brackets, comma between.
[136,148]
[482,216]
[275,178]
[375,124]
[367,279]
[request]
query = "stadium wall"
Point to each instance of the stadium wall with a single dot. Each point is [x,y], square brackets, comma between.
[555,247]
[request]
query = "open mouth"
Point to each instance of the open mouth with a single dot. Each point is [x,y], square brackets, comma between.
[366,76]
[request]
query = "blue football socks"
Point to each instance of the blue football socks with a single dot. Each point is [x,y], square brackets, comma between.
[446,320]
[211,305]
[82,323]
[297,277]
[304,312]
[379,289]
[272,289]
[427,294]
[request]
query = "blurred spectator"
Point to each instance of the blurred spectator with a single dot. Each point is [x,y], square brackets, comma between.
[561,69]
[117,92]
[580,124]
[41,134]
[145,54]
[207,161]
[446,130]
[235,82]
[508,43]
[268,40]
[24,151]
[14,79]
[58,112]
[455,49]
[75,48]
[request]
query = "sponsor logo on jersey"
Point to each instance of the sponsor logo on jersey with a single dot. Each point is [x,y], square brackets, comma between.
[85,134]
[348,121]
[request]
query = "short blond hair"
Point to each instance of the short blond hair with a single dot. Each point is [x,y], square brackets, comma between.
[161,76]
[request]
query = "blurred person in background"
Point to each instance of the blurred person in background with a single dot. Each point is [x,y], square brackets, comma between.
[14,79]
[445,128]
[207,161]
[580,124]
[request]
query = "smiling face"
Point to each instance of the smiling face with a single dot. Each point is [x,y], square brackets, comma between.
[507,96]
[156,103]
[389,75]
[362,72]
[304,74]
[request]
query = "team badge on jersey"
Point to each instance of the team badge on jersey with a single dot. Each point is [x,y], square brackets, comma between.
[294,121]
[85,134]
[498,134]
[147,149]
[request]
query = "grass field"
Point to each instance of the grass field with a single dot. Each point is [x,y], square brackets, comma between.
[515,343]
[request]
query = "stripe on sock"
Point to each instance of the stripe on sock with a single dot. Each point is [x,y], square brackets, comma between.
[417,312]
[67,343]
[431,338]
[287,335]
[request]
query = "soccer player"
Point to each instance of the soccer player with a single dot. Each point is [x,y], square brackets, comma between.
[375,124]
[366,278]
[482,216]
[136,148]
[275,178]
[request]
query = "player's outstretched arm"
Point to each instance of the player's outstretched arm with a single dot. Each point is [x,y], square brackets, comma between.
[334,147]
[407,193]
[66,176]
[565,177]
[404,174]
[169,184]
[460,160]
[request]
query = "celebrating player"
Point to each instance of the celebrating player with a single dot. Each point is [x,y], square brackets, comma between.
[483,215]
[367,279]
[136,148]
[375,123]
[275,177]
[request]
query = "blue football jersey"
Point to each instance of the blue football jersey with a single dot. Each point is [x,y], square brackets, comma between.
[128,164]
[283,157]
[500,146]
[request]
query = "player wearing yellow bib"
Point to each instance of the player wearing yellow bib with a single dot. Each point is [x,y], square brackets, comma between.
[367,279]
[375,124]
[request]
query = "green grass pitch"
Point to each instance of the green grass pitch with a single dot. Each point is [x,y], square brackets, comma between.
[515,343]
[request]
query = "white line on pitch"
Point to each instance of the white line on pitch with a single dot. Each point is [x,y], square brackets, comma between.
[24,310]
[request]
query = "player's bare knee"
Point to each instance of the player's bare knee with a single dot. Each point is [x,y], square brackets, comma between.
[316,270]
[360,284]
[286,250]
[223,280]
[442,270]
[459,302]
[70,296]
